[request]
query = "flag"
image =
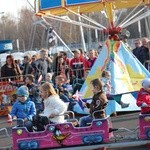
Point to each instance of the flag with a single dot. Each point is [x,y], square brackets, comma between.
[40,78]
[78,96]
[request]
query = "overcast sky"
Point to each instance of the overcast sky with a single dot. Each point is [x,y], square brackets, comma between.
[13,6]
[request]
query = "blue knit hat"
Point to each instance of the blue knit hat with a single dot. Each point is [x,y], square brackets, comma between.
[146,83]
[23,91]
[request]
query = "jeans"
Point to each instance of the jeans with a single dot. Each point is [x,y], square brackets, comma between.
[28,124]
[85,120]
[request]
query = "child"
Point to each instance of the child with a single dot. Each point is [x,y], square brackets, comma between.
[23,108]
[49,77]
[143,99]
[33,91]
[54,107]
[106,79]
[60,86]
[61,89]
[99,102]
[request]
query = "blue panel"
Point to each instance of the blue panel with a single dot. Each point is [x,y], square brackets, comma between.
[47,4]
[75,2]
[5,45]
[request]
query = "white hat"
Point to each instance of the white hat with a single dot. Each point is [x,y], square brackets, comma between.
[146,83]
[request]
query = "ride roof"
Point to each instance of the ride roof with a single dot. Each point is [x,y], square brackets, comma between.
[62,7]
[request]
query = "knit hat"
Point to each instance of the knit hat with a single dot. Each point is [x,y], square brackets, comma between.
[23,91]
[146,83]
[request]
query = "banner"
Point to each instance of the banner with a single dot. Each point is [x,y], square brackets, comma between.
[6,45]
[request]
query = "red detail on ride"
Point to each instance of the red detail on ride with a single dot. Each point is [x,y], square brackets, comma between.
[113,33]
[39,15]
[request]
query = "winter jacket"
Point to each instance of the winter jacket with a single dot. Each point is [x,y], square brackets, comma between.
[42,67]
[54,105]
[23,110]
[99,102]
[10,72]
[143,97]
[78,66]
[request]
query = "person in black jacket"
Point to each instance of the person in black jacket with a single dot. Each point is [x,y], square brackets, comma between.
[135,51]
[144,52]
[10,70]
[27,67]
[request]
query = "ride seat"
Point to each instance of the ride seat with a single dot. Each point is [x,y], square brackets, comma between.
[71,118]
[99,114]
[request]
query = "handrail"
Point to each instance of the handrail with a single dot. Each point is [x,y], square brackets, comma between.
[93,114]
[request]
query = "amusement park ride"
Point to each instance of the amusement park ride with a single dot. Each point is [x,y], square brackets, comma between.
[100,134]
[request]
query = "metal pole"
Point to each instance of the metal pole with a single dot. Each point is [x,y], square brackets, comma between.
[139,28]
[58,37]
[1,13]
[62,42]
[18,47]
[82,35]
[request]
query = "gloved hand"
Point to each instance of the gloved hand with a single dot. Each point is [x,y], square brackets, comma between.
[144,105]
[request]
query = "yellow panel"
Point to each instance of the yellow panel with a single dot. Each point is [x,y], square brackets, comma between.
[119,4]
[96,7]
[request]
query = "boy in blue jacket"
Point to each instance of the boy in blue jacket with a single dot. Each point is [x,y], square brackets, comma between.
[23,108]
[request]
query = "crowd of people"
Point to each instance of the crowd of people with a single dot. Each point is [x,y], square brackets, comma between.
[45,85]
[142,50]
[49,83]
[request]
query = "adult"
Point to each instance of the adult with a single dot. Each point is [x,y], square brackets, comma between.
[66,64]
[60,69]
[78,65]
[27,69]
[135,51]
[43,65]
[10,70]
[144,52]
[92,58]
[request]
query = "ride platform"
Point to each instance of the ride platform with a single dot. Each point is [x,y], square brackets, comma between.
[127,137]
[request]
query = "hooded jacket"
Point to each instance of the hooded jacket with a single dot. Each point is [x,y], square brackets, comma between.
[143,97]
[23,110]
[54,105]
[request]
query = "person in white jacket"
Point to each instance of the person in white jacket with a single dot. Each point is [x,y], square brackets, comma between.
[54,107]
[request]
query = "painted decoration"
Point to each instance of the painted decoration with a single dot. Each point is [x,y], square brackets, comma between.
[126,73]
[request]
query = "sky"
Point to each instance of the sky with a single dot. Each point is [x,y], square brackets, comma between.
[13,6]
